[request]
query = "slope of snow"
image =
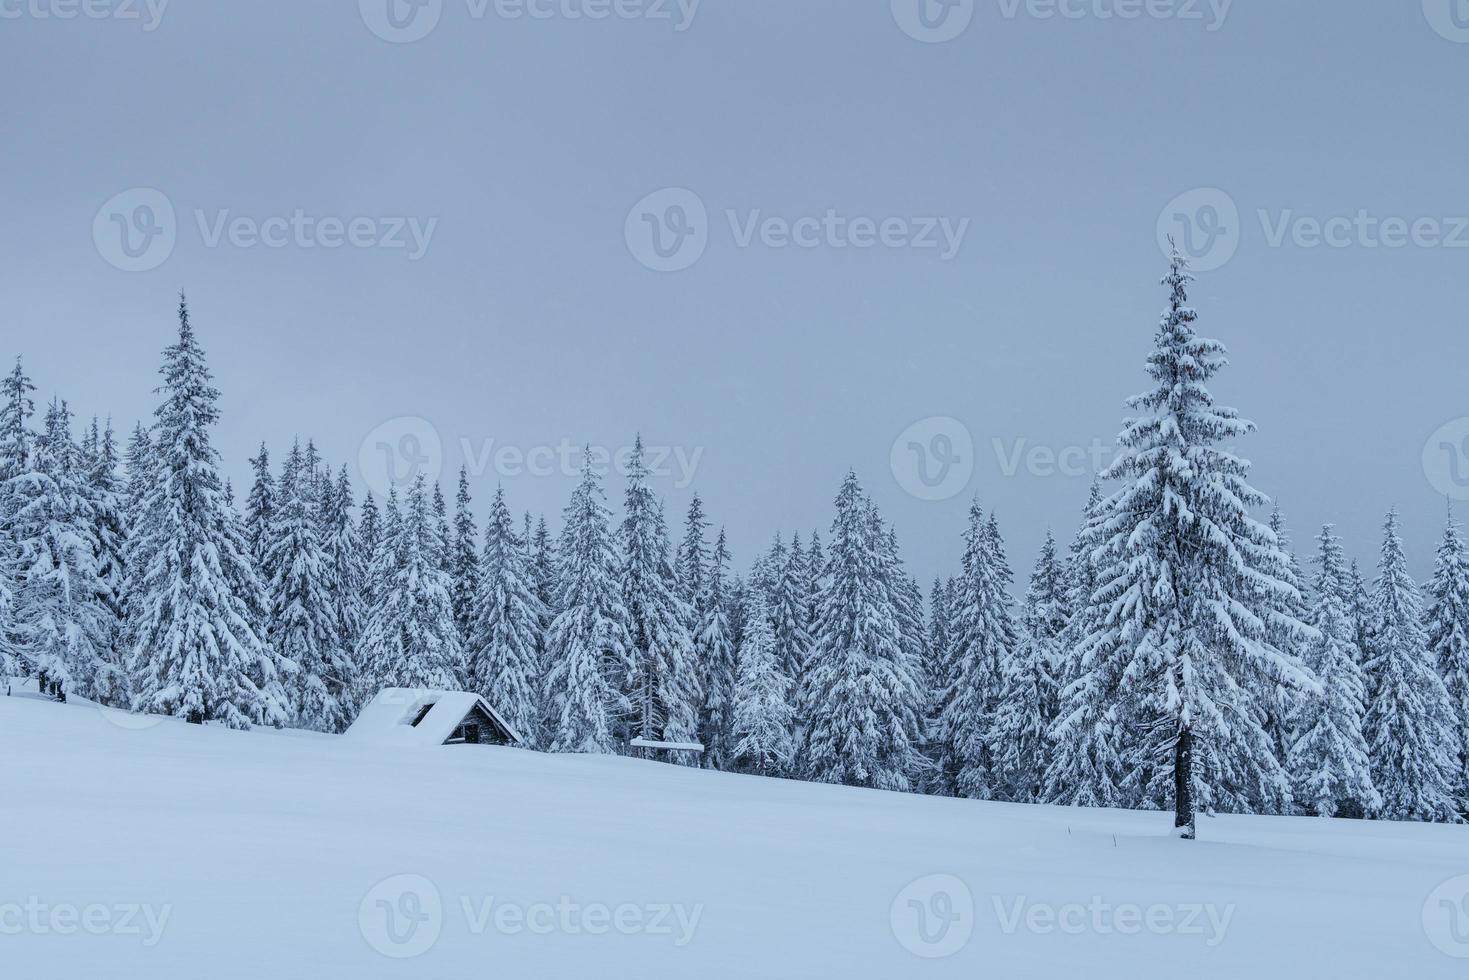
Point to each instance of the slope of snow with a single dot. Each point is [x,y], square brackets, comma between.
[147,848]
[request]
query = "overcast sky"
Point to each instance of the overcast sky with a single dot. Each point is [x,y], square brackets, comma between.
[458,224]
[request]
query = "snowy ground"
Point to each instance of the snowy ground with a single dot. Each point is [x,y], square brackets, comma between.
[174,851]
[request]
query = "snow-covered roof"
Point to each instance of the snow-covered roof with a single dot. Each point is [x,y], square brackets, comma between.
[416,716]
[646,743]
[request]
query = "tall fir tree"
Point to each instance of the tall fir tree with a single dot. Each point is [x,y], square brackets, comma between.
[1411,727]
[788,610]
[411,639]
[502,657]
[346,554]
[194,651]
[1087,766]
[303,613]
[589,653]
[1192,587]
[1277,702]
[16,438]
[665,693]
[464,561]
[762,710]
[104,495]
[1448,641]
[981,638]
[1328,754]
[715,651]
[938,668]
[1028,701]
[60,621]
[260,509]
[692,560]
[860,700]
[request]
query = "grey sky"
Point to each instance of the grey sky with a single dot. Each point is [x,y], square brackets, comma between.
[530,320]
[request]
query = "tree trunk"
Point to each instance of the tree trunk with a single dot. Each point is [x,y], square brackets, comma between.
[1183,785]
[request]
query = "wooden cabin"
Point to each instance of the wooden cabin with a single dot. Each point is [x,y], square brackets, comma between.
[415,717]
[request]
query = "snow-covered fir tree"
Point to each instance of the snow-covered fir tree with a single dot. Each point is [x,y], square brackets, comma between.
[762,709]
[1086,767]
[1411,726]
[1328,754]
[60,622]
[346,558]
[715,651]
[16,409]
[1448,641]
[860,701]
[980,636]
[1028,700]
[502,657]
[937,669]
[788,611]
[303,612]
[692,560]
[194,651]
[464,560]
[443,535]
[411,639]
[260,509]
[1192,588]
[102,465]
[1276,701]
[589,652]
[665,693]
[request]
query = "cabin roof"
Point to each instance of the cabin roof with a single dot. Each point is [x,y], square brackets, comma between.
[418,716]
